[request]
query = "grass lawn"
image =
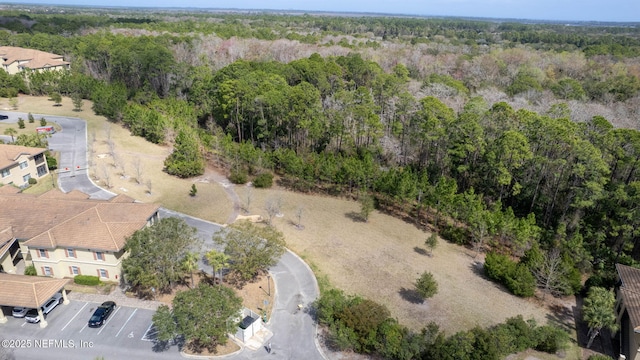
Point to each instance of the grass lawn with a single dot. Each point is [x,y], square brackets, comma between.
[379,259]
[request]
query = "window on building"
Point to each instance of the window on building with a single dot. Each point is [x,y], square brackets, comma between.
[99,255]
[6,172]
[26,178]
[71,253]
[47,271]
[42,170]
[38,158]
[103,273]
[24,165]
[75,270]
[43,253]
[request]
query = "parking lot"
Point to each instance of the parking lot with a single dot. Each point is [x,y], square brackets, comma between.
[127,332]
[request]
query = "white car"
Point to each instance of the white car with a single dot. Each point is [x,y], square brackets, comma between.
[19,312]
[32,315]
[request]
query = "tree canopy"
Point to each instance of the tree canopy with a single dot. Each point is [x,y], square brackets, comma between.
[251,248]
[202,316]
[157,255]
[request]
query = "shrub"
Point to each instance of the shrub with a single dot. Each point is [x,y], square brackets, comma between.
[238,177]
[21,123]
[31,118]
[454,234]
[264,180]
[516,277]
[90,280]
[426,285]
[43,121]
[33,181]
[52,162]
[30,270]
[551,339]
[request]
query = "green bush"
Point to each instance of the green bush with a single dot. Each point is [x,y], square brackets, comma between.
[454,234]
[21,123]
[33,181]
[238,177]
[90,280]
[551,339]
[52,162]
[30,270]
[264,180]
[516,277]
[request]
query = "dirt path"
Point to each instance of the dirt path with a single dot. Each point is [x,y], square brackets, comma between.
[213,175]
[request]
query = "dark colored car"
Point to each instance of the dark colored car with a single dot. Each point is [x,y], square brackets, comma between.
[101,314]
[3,117]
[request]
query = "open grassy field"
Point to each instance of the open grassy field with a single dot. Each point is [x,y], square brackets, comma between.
[379,259]
[155,186]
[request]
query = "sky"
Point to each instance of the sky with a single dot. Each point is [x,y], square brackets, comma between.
[557,10]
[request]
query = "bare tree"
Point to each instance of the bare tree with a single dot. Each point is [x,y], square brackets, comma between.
[299,212]
[121,165]
[149,187]
[106,176]
[138,168]
[112,147]
[550,273]
[107,132]
[249,198]
[479,231]
[273,206]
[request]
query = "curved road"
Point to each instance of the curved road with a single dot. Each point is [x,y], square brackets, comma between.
[294,332]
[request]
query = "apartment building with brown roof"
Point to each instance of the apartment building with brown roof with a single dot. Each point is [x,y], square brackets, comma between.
[18,164]
[628,311]
[64,235]
[16,59]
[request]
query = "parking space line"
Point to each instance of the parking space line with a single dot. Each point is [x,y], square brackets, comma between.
[144,336]
[110,317]
[85,325]
[74,316]
[125,323]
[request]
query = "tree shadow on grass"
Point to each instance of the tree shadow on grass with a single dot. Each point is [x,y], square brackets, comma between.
[356,217]
[478,268]
[411,295]
[421,251]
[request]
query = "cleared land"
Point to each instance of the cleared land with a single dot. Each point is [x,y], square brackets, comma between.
[379,259]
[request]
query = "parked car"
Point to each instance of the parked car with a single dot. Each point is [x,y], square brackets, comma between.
[101,314]
[3,117]
[19,312]
[32,315]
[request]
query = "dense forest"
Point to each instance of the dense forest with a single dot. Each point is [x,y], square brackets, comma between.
[518,139]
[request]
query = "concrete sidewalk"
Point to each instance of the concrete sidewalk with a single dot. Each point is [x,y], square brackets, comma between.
[117,295]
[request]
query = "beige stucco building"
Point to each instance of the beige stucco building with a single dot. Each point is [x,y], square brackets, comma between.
[16,59]
[64,235]
[18,164]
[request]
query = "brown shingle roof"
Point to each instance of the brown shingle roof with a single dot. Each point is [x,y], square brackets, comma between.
[28,291]
[55,221]
[630,291]
[10,153]
[36,59]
